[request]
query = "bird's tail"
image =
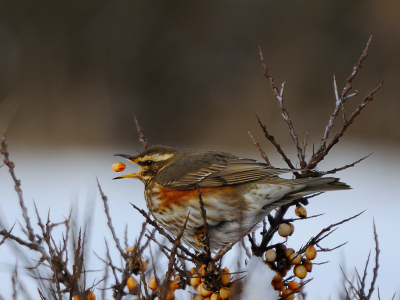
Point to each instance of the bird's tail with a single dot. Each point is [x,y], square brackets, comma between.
[317,185]
[311,186]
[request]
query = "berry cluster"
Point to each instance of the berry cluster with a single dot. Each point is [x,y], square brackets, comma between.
[282,259]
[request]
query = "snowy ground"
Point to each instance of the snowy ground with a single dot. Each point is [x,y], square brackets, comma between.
[57,179]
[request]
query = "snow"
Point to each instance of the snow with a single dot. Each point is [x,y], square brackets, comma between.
[257,283]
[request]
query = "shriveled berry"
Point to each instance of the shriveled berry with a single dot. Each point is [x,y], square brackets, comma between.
[300,211]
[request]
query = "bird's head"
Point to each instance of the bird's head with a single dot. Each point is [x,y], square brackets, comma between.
[151,161]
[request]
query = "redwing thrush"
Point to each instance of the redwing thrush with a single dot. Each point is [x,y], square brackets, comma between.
[237,192]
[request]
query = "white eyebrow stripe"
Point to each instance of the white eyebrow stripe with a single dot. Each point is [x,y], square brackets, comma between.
[156,157]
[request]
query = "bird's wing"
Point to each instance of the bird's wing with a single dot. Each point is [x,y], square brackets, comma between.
[213,172]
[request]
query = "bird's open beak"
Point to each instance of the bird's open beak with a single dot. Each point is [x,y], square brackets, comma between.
[132,175]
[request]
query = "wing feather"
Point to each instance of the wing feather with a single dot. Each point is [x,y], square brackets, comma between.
[210,170]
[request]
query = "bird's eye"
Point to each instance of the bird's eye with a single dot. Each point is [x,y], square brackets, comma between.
[148,162]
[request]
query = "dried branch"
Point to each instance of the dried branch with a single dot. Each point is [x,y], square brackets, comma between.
[301,285]
[174,250]
[11,166]
[109,222]
[315,240]
[6,235]
[285,113]
[271,138]
[142,139]
[205,225]
[333,171]
[340,100]
[375,271]
[163,232]
[263,155]
[322,152]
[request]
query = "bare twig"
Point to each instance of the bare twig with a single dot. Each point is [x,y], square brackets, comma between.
[320,236]
[271,138]
[324,151]
[375,271]
[301,285]
[285,113]
[11,166]
[163,232]
[340,100]
[263,155]
[6,235]
[109,221]
[142,139]
[333,171]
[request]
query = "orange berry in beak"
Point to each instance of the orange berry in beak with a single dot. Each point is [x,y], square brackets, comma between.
[118,167]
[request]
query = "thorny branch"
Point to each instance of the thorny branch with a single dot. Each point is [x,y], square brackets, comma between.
[279,96]
[359,291]
[109,221]
[11,166]
[341,100]
[263,155]
[324,148]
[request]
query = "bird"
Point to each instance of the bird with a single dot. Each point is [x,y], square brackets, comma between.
[237,192]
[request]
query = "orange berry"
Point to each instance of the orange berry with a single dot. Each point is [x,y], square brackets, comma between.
[195,280]
[215,297]
[311,252]
[173,285]
[270,255]
[308,264]
[278,285]
[286,292]
[202,291]
[277,278]
[129,249]
[283,272]
[90,296]
[131,283]
[300,271]
[295,258]
[300,211]
[152,283]
[294,286]
[225,293]
[284,230]
[118,167]
[288,252]
[225,278]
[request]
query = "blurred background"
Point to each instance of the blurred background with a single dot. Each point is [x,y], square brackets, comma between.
[73,73]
